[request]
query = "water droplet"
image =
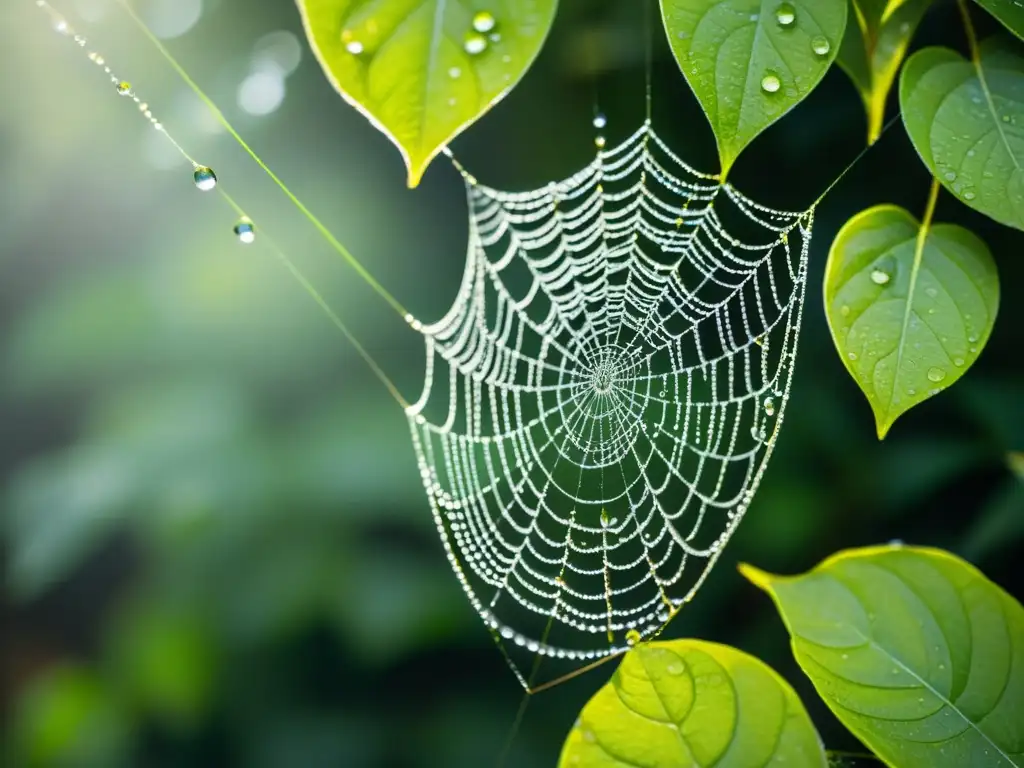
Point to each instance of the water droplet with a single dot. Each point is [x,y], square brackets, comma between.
[599,142]
[950,176]
[968,195]
[936,374]
[484,21]
[632,637]
[475,43]
[604,518]
[600,121]
[674,669]
[958,362]
[454,73]
[205,178]
[769,406]
[124,88]
[820,45]
[785,14]
[844,310]
[354,47]
[245,232]
[880,276]
[852,355]
[770,83]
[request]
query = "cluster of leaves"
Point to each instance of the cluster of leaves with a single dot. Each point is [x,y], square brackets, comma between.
[914,650]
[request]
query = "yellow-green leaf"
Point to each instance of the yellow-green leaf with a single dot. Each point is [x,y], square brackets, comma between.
[914,650]
[423,71]
[909,310]
[751,61]
[876,40]
[689,703]
[966,119]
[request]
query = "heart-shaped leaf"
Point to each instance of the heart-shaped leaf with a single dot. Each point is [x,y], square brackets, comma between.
[910,307]
[423,71]
[691,703]
[966,120]
[873,48]
[1009,12]
[751,61]
[914,650]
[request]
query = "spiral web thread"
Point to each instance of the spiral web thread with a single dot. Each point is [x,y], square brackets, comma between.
[602,398]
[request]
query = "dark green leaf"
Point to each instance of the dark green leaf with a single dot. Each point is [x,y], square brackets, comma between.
[966,121]
[751,61]
[914,650]
[910,311]
[1009,12]
[691,703]
[423,71]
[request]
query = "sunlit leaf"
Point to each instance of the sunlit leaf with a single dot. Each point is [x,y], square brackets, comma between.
[1009,12]
[749,62]
[914,650]
[423,71]
[691,703]
[873,48]
[910,311]
[965,120]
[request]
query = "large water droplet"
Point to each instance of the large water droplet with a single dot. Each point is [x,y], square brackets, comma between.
[785,14]
[936,374]
[633,637]
[475,43]
[820,45]
[484,21]
[245,232]
[880,276]
[205,178]
[769,406]
[600,121]
[770,83]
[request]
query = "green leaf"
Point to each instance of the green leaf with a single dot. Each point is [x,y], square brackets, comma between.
[692,703]
[1009,12]
[411,66]
[966,120]
[914,650]
[748,63]
[873,48]
[910,308]
[1015,460]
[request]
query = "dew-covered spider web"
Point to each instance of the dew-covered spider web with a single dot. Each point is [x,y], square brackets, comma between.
[603,396]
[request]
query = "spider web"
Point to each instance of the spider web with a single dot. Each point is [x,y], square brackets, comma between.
[602,398]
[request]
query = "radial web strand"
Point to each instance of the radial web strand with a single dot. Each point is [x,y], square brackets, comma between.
[603,396]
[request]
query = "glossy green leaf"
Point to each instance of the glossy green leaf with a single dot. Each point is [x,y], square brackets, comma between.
[423,71]
[751,61]
[1009,12]
[966,121]
[909,310]
[914,650]
[691,703]
[876,40]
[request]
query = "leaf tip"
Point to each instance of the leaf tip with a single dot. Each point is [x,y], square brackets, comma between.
[760,579]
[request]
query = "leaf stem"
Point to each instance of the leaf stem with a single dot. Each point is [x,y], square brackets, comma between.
[972,36]
[929,214]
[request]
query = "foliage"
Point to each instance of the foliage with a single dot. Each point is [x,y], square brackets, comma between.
[911,306]
[692,703]
[425,71]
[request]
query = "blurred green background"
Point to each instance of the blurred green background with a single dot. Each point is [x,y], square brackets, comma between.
[215,547]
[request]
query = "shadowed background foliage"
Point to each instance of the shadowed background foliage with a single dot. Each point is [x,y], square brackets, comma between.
[215,546]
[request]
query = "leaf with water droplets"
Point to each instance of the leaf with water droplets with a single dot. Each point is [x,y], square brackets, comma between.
[692,703]
[423,71]
[914,650]
[873,48]
[909,311]
[1009,12]
[965,120]
[749,62]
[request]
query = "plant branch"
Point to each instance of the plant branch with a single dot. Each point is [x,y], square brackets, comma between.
[972,36]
